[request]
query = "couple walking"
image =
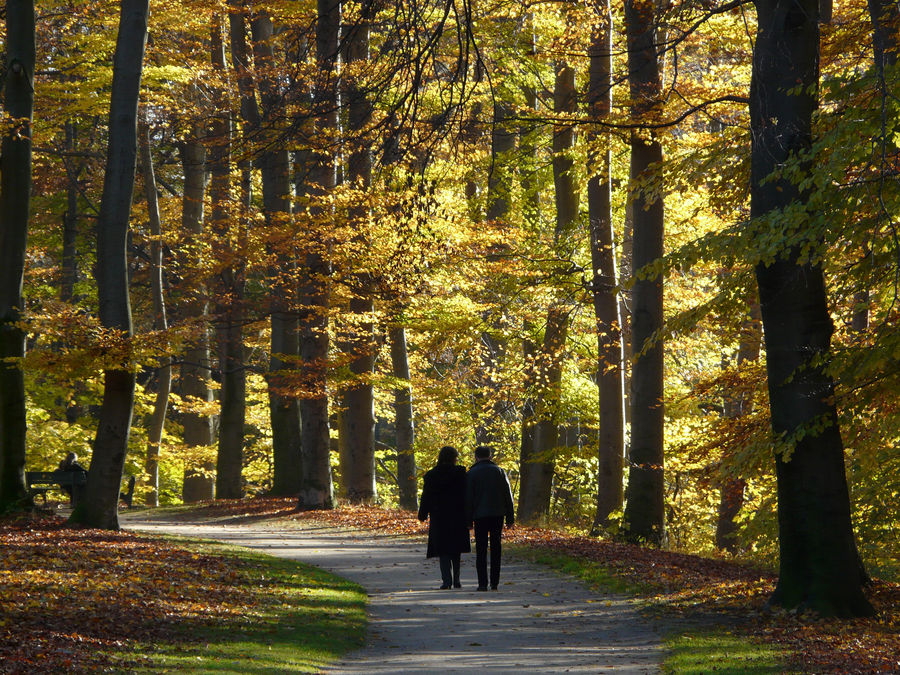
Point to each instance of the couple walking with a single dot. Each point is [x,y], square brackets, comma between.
[455,499]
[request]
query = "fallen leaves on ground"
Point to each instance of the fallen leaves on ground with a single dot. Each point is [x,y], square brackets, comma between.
[65,592]
[677,586]
[70,598]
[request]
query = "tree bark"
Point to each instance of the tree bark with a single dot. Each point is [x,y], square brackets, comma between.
[358,404]
[317,491]
[644,518]
[99,506]
[199,483]
[403,421]
[284,405]
[160,323]
[818,561]
[229,459]
[15,200]
[537,467]
[604,283]
[489,406]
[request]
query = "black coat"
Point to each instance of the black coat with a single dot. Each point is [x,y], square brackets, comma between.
[444,500]
[488,494]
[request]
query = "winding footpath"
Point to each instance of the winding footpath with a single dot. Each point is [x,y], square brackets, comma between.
[538,621]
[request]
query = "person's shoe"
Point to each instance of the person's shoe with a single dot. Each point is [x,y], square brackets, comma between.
[456,584]
[444,587]
[482,588]
[494,588]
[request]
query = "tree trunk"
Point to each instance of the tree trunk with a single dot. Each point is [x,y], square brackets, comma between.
[160,323]
[15,199]
[403,416]
[489,405]
[818,567]
[538,462]
[199,483]
[99,506]
[644,518]
[229,459]
[317,491]
[358,404]
[284,406]
[604,284]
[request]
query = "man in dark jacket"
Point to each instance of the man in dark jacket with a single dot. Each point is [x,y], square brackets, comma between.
[488,502]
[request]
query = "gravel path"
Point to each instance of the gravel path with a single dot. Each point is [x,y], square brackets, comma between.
[538,621]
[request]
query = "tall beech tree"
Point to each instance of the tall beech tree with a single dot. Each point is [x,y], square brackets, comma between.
[15,199]
[403,419]
[644,517]
[232,392]
[274,164]
[160,322]
[604,279]
[194,373]
[537,461]
[818,562]
[358,398]
[99,507]
[317,490]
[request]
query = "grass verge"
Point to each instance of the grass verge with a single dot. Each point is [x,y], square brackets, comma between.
[722,653]
[89,600]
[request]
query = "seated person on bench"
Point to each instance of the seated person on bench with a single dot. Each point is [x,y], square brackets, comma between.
[70,463]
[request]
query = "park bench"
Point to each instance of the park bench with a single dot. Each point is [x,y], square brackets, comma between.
[41,482]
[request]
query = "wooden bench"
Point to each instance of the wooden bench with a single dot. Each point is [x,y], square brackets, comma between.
[40,482]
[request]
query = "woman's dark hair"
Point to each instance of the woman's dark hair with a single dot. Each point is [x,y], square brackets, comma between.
[447,455]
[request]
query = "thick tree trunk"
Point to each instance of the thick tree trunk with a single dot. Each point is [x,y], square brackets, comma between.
[604,283]
[403,421]
[317,491]
[537,467]
[160,323]
[644,518]
[284,405]
[199,482]
[358,400]
[229,459]
[819,567]
[15,199]
[99,506]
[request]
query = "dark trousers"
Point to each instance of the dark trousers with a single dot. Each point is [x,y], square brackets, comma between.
[447,563]
[488,529]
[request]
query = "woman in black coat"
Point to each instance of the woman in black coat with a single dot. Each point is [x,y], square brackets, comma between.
[444,499]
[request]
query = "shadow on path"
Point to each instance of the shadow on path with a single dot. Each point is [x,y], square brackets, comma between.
[538,621]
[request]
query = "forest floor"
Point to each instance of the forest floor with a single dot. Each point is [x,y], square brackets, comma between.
[680,597]
[678,594]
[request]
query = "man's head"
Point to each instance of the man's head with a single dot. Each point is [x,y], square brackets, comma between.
[483,452]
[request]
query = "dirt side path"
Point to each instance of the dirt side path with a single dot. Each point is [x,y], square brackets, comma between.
[538,621]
